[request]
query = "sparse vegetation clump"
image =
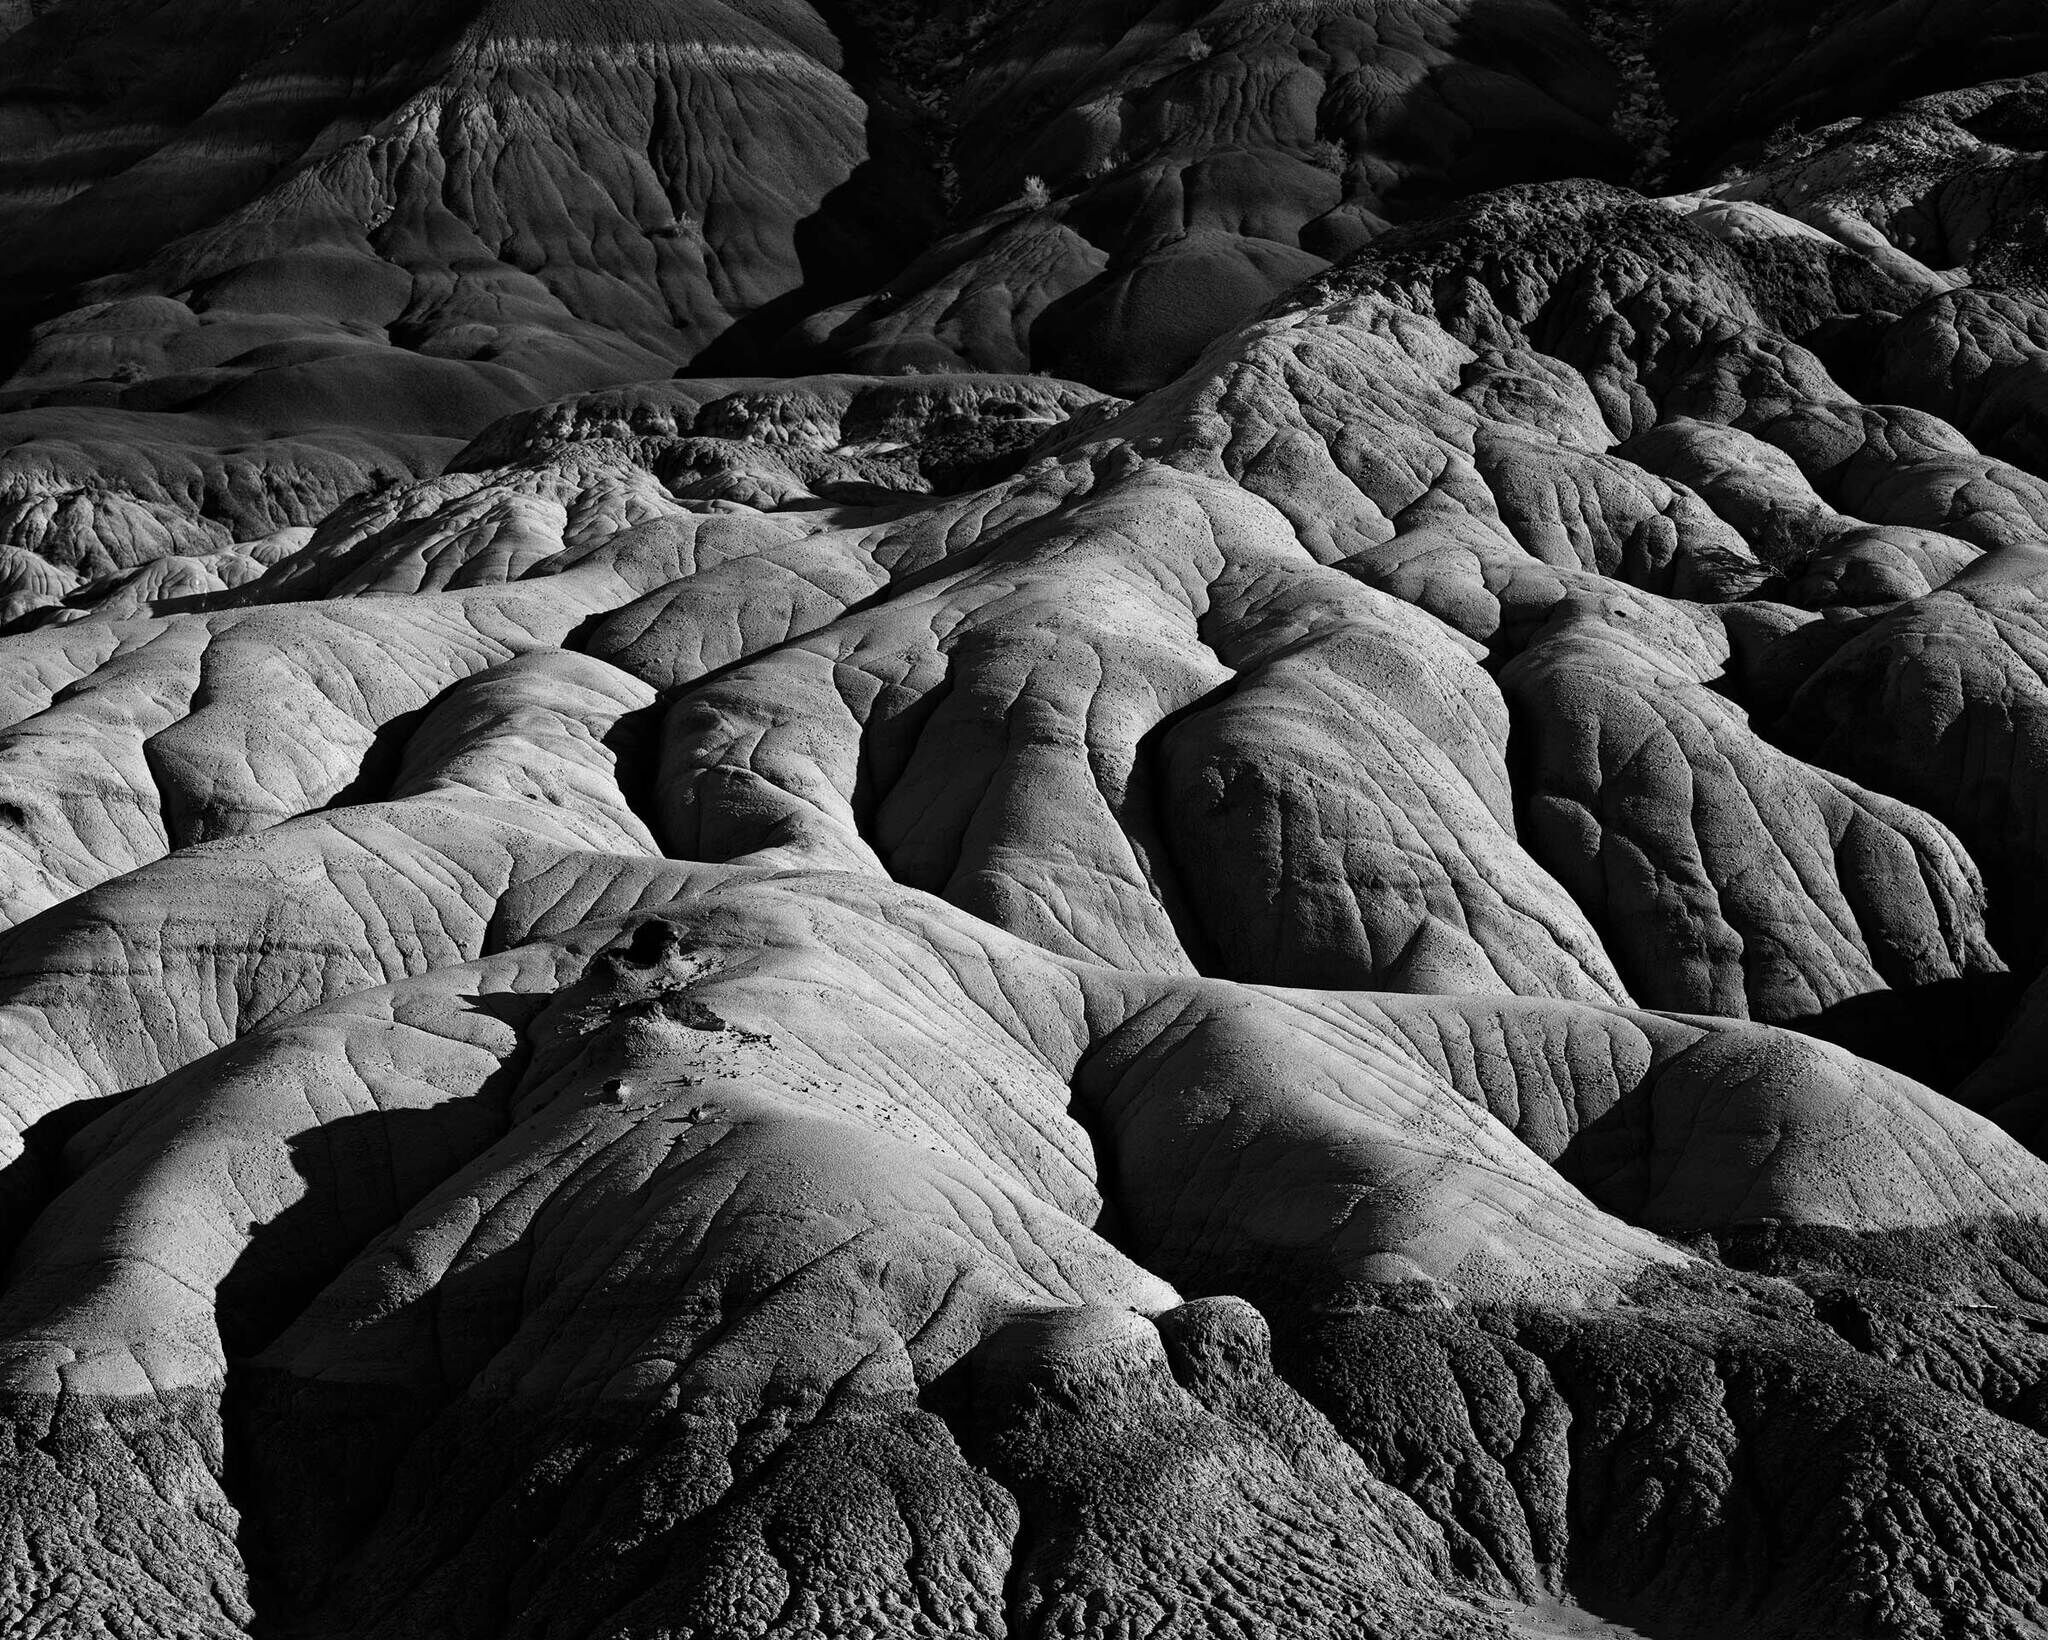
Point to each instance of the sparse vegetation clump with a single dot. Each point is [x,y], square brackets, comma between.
[1329,156]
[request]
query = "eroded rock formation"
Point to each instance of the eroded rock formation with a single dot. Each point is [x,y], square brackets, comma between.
[1030,820]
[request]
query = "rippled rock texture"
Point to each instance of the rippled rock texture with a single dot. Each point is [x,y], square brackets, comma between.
[934,819]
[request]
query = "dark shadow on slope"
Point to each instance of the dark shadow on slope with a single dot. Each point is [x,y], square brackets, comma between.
[634,741]
[21,310]
[28,1183]
[1145,824]
[1489,97]
[1102,1153]
[266,1459]
[287,1263]
[365,1505]
[1936,1034]
[862,232]
[344,1207]
[378,768]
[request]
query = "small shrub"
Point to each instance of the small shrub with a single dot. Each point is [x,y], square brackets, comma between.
[1786,145]
[1331,156]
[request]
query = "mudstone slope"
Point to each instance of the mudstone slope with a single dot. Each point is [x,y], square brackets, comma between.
[1043,821]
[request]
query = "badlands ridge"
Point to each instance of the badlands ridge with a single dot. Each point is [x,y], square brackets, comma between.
[1046,820]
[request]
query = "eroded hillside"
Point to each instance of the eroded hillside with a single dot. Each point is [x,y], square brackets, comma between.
[1285,879]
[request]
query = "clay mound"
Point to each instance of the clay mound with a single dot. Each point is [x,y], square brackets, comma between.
[344,239]
[624,1178]
[1135,185]
[94,493]
[509,200]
